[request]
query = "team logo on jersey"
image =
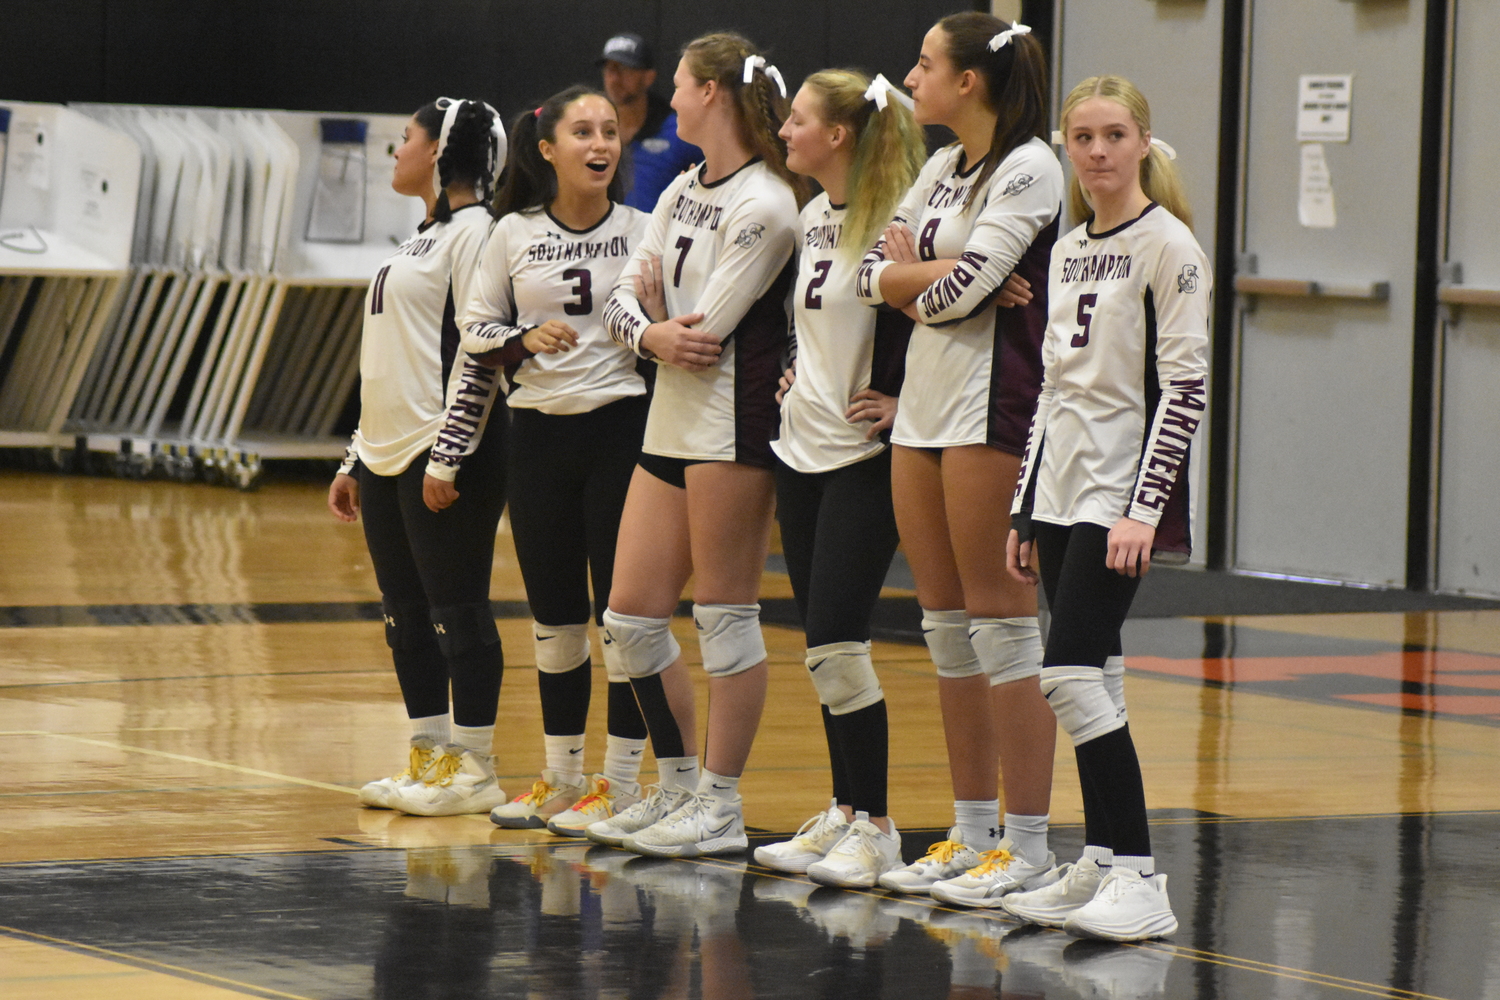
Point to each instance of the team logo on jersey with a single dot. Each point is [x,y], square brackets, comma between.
[749,236]
[1187,281]
[1018,183]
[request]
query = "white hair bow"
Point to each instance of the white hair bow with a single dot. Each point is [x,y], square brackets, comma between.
[882,90]
[496,159]
[1003,38]
[759,62]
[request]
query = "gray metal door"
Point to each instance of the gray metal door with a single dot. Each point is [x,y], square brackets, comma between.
[1468,543]
[1323,416]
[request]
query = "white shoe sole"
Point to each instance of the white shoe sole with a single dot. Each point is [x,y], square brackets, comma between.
[834,880]
[792,866]
[1153,925]
[465,807]
[954,897]
[703,848]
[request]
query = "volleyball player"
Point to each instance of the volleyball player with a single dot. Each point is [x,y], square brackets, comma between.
[982,208]
[833,469]
[578,410]
[1105,480]
[714,268]
[426,468]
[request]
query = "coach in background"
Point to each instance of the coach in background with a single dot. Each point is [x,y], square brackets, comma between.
[654,154]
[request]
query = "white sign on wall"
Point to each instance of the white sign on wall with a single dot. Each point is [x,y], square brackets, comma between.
[1323,108]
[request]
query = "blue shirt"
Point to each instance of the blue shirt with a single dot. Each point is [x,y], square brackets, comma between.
[656,157]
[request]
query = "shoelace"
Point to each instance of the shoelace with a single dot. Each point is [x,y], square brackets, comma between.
[1116,884]
[998,858]
[815,827]
[647,803]
[443,770]
[599,795]
[858,842]
[943,851]
[539,791]
[420,760]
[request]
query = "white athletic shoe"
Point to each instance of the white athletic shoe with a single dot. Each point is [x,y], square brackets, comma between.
[603,800]
[377,794]
[1052,904]
[702,824]
[860,857]
[943,860]
[1127,907]
[656,803]
[531,810]
[1001,872]
[810,843]
[459,782]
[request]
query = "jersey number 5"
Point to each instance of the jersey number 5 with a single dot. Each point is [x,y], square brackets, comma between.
[584,290]
[1085,318]
[812,300]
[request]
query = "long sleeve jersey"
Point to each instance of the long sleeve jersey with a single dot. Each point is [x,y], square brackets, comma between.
[1126,361]
[725,249]
[418,393]
[973,369]
[842,346]
[536,269]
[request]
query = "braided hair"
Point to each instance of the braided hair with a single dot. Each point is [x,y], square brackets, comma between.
[759,105]
[472,153]
[529,181]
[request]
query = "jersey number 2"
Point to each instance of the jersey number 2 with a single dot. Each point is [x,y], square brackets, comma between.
[813,300]
[1085,319]
[584,290]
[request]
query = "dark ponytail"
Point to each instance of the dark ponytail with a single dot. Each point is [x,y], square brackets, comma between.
[1015,80]
[529,181]
[467,157]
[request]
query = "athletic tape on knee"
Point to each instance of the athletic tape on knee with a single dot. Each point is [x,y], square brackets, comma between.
[461,628]
[1009,649]
[644,646]
[560,648]
[406,625]
[1114,682]
[844,676]
[947,636]
[1082,705]
[614,667]
[729,637]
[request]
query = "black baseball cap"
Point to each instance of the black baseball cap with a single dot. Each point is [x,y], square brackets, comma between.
[627,50]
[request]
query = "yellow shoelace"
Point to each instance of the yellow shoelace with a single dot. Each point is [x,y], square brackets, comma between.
[443,770]
[998,858]
[600,794]
[419,761]
[943,851]
[539,791]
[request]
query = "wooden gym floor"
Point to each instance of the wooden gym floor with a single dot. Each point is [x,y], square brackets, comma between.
[192,690]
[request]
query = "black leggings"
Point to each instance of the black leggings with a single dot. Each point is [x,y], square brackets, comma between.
[1089,602]
[569,474]
[434,575]
[838,534]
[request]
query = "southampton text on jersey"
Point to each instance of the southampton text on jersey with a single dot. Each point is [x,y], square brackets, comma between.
[825,237]
[551,250]
[1098,267]
[691,212]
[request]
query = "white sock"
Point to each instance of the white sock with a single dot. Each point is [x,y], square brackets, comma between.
[434,727]
[978,823]
[1144,866]
[717,786]
[1028,834]
[565,757]
[478,739]
[1101,856]
[677,774]
[622,761]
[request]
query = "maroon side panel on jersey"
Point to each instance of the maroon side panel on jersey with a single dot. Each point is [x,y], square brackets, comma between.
[761,340]
[1016,369]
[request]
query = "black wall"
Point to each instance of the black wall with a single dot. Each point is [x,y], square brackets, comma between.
[391,56]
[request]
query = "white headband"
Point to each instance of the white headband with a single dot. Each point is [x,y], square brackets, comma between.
[1003,39]
[882,90]
[752,63]
[1058,139]
[497,150]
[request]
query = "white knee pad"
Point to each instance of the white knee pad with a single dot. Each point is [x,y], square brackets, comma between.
[559,648]
[729,637]
[1009,649]
[947,636]
[844,676]
[614,667]
[644,646]
[1114,682]
[1082,705]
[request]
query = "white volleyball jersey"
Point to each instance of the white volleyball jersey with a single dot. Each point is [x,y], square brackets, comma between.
[842,346]
[1126,361]
[536,269]
[973,369]
[418,393]
[725,251]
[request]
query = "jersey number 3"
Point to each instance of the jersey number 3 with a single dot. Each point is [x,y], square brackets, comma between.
[584,289]
[1085,319]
